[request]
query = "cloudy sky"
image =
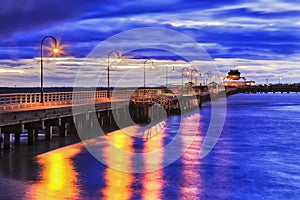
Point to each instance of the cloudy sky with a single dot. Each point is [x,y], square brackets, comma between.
[260,38]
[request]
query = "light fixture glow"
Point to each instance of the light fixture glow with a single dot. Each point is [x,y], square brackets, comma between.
[55,50]
[119,58]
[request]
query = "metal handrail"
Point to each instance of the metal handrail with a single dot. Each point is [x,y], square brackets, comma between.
[23,100]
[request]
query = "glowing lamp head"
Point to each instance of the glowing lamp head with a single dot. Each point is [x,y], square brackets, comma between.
[188,73]
[119,59]
[55,50]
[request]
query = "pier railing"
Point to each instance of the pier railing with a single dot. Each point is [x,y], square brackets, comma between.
[16,101]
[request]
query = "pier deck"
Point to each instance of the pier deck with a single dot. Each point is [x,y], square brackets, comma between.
[23,113]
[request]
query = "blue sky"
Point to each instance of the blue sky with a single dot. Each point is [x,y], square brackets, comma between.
[261,38]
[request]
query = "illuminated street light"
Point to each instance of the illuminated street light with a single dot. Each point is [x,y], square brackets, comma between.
[280,78]
[153,66]
[119,58]
[55,51]
[187,73]
[196,74]
[207,78]
[167,68]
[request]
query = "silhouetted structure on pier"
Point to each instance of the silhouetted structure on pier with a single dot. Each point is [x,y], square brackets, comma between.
[234,79]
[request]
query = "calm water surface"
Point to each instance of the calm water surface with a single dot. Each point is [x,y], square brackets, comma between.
[256,157]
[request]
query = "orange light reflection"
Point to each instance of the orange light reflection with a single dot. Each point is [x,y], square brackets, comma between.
[153,181]
[191,179]
[58,178]
[118,183]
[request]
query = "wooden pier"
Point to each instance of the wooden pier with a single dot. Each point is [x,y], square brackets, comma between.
[21,113]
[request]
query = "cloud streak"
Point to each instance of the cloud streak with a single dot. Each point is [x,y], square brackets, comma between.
[60,72]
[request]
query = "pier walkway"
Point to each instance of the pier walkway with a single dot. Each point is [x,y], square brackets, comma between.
[22,113]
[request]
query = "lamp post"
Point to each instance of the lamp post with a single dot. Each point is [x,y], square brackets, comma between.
[196,74]
[166,76]
[280,80]
[55,50]
[108,66]
[167,69]
[152,63]
[187,73]
[207,78]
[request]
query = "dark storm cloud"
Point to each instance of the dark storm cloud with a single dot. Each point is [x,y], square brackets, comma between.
[146,6]
[25,15]
[256,42]
[86,23]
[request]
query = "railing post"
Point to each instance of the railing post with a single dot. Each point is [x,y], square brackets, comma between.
[30,99]
[4,100]
[26,100]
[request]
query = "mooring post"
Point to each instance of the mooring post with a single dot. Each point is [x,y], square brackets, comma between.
[17,138]
[101,119]
[36,134]
[31,136]
[63,130]
[49,133]
[7,139]
[109,117]
[73,129]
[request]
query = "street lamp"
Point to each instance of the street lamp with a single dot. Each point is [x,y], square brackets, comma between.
[187,73]
[280,78]
[152,64]
[108,65]
[196,74]
[55,50]
[167,68]
[207,78]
